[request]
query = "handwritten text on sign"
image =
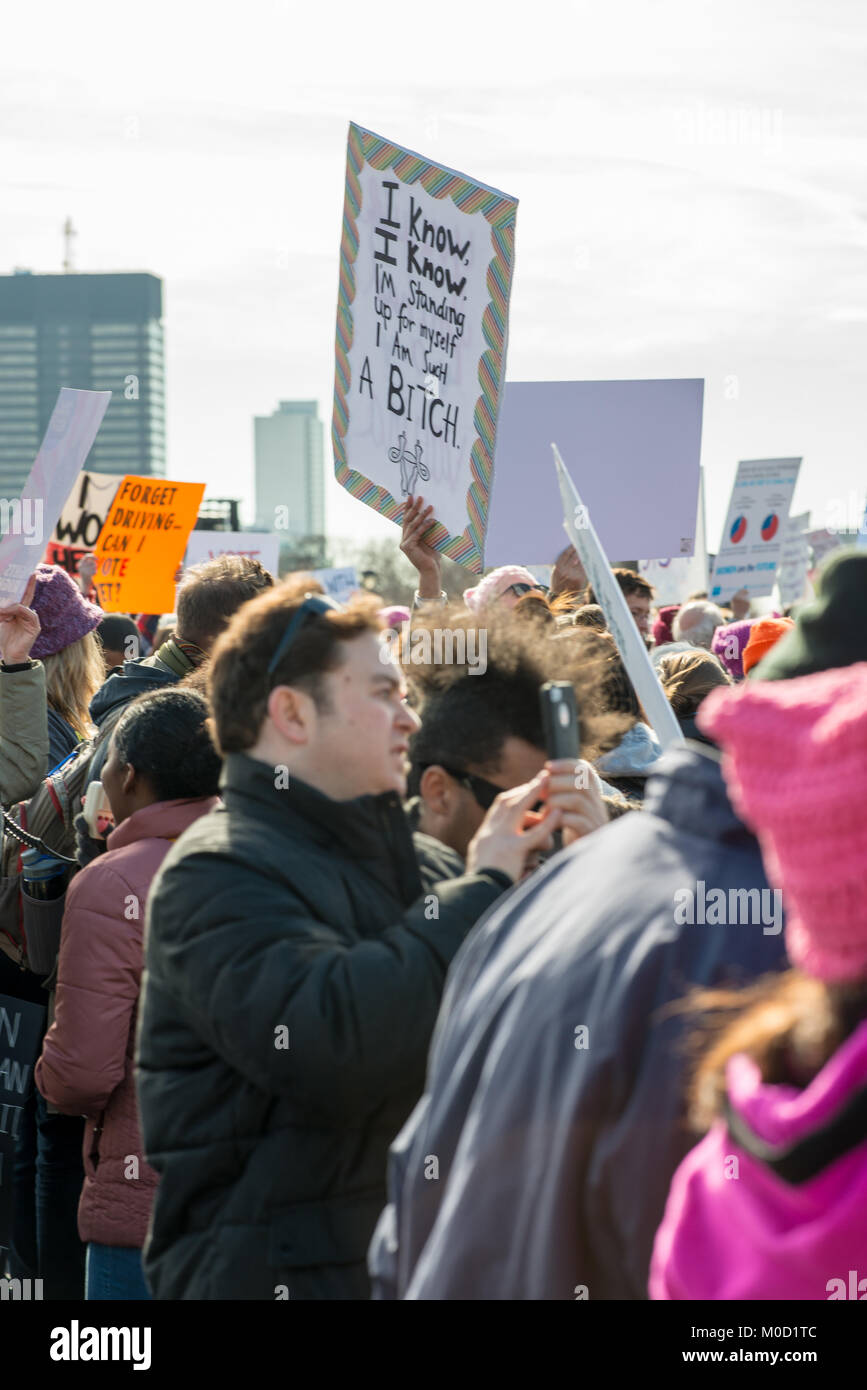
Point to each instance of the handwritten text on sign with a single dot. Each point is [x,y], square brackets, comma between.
[143,542]
[426,266]
[83,517]
[22,1027]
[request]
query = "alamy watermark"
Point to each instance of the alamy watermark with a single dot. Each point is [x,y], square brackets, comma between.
[846,515]
[77,1343]
[730,125]
[718,907]
[438,646]
[855,1288]
[19,1290]
[22,517]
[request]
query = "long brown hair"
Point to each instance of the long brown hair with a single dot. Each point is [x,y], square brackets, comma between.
[72,678]
[790,1024]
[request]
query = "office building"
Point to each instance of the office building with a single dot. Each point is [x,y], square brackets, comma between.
[93,332]
[290,481]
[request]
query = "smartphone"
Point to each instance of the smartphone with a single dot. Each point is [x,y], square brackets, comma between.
[560,723]
[560,720]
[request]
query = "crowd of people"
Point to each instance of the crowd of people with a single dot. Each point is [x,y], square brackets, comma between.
[352,991]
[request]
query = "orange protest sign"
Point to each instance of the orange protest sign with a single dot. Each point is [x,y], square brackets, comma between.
[143,542]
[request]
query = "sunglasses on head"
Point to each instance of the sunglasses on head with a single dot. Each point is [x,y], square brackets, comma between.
[314,606]
[521,589]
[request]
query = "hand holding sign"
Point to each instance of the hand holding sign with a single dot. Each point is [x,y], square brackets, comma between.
[19,627]
[86,571]
[418,519]
[568,576]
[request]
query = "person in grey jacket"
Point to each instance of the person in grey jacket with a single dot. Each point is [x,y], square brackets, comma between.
[537,1164]
[23,728]
[51,654]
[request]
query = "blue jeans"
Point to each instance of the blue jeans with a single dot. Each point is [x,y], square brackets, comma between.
[49,1174]
[114,1272]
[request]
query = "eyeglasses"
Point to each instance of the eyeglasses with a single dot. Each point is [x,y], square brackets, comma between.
[313,606]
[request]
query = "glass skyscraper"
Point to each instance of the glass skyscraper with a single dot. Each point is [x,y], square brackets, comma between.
[290,479]
[94,332]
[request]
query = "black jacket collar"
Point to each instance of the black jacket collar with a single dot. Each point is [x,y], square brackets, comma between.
[372,829]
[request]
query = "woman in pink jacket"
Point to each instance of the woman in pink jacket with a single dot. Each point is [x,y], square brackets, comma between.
[772,1204]
[161,774]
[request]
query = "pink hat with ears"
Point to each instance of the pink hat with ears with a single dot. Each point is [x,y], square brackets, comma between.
[495,584]
[795,762]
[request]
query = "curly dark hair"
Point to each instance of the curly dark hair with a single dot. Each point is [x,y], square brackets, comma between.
[164,736]
[467,717]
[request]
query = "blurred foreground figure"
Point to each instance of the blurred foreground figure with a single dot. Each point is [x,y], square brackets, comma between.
[773,1203]
[553,1108]
[555,1102]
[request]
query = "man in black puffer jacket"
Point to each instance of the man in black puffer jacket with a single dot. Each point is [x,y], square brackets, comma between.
[297,943]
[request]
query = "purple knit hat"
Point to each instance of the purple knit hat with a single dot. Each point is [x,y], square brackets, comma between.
[728,644]
[64,613]
[495,584]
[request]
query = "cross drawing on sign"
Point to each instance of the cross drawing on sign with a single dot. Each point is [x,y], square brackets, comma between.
[411,466]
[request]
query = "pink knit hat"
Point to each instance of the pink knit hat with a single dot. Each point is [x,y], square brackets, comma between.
[495,584]
[661,628]
[393,615]
[64,613]
[795,762]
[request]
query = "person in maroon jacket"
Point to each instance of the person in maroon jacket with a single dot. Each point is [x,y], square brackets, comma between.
[161,774]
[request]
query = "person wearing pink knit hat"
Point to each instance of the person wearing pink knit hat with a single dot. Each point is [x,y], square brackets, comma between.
[506,585]
[394,615]
[796,768]
[784,1086]
[661,627]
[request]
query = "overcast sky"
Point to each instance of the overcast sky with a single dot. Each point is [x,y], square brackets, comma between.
[690,180]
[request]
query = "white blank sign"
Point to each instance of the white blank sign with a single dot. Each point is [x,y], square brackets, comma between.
[633,450]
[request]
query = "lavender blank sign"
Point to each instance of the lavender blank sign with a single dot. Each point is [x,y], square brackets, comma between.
[634,449]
